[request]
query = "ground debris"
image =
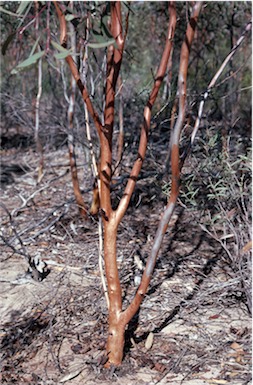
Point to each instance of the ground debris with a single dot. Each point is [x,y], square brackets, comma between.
[190,329]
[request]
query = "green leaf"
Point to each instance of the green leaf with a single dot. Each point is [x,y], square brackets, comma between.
[62,55]
[31,60]
[101,45]
[105,29]
[22,7]
[34,47]
[68,9]
[69,17]
[101,39]
[26,63]
[63,51]
[7,42]
[2,9]
[98,35]
[58,46]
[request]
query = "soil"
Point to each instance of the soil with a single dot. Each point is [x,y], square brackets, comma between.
[192,328]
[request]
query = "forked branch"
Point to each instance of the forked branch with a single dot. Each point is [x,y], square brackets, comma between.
[175,168]
[118,319]
[147,116]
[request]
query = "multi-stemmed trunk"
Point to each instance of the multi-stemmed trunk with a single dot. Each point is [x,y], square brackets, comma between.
[119,318]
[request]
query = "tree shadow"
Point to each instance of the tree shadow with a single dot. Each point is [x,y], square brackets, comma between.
[178,230]
[181,233]
[206,271]
[22,331]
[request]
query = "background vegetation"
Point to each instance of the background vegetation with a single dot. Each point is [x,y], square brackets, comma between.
[216,179]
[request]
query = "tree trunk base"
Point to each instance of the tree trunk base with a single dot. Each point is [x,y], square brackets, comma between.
[115,345]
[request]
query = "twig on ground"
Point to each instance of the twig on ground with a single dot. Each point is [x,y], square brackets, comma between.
[14,249]
[37,267]
[31,227]
[17,236]
[45,229]
[173,366]
[25,201]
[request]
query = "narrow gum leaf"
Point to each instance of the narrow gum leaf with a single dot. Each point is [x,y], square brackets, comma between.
[22,7]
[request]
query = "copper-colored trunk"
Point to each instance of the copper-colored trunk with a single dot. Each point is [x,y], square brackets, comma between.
[119,319]
[95,201]
[115,341]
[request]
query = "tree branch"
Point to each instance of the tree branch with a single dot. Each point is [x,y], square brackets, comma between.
[114,60]
[163,224]
[215,78]
[74,70]
[147,116]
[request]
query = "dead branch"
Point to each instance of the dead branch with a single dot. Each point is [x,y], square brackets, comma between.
[52,223]
[212,84]
[31,227]
[26,200]
[37,267]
